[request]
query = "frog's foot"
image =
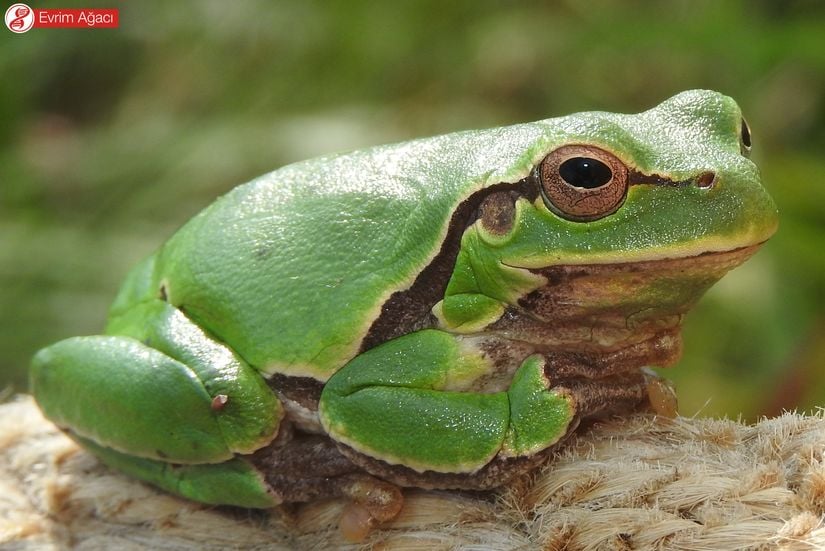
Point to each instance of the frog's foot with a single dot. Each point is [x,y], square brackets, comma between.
[382,499]
[310,467]
[162,400]
[373,502]
[661,395]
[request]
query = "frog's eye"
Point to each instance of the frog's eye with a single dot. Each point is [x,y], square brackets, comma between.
[582,182]
[745,138]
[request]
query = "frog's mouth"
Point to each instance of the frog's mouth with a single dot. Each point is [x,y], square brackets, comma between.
[609,306]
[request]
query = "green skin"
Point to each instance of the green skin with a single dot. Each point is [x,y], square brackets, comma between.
[286,274]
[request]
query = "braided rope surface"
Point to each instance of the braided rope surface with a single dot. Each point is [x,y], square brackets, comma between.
[624,484]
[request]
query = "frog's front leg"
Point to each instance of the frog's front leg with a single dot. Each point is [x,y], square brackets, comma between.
[404,402]
[162,400]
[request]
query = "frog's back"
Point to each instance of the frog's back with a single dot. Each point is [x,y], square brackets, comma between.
[292,268]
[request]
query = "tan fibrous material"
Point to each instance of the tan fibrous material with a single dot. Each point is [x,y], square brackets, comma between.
[623,484]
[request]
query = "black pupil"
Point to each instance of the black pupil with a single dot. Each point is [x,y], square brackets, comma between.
[585,172]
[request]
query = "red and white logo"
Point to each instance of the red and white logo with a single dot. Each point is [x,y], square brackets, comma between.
[19,18]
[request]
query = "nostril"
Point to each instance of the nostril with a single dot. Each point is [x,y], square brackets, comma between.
[706,180]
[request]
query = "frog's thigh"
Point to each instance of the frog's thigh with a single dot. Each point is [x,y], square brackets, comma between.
[184,399]
[390,403]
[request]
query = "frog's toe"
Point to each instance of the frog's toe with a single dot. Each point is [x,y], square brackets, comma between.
[373,502]
[382,499]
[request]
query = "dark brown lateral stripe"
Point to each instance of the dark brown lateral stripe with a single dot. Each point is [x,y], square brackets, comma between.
[409,310]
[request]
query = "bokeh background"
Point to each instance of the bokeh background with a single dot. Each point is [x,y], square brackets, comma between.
[111,139]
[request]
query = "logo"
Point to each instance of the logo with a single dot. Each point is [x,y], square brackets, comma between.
[19,18]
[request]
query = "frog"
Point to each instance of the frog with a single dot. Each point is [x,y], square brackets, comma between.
[441,313]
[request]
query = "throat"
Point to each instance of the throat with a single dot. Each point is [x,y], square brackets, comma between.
[608,307]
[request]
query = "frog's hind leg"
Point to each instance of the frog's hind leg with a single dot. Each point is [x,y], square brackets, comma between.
[163,401]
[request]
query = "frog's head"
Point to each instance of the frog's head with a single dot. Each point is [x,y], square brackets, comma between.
[671,182]
[635,216]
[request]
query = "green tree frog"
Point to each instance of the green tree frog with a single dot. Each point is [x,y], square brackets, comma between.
[439,313]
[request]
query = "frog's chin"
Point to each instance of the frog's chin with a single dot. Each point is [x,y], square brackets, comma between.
[607,307]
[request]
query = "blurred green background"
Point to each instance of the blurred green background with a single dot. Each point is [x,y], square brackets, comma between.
[110,139]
